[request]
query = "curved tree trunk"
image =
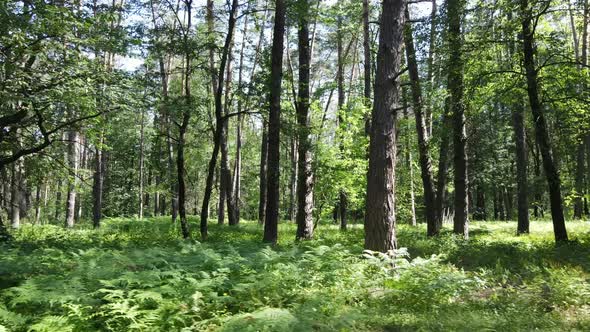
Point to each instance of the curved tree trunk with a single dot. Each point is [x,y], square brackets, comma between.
[541,132]
[421,130]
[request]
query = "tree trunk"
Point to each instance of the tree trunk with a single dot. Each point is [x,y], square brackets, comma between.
[219,121]
[421,130]
[582,57]
[305,171]
[237,184]
[225,172]
[294,156]
[443,165]
[38,204]
[184,227]
[367,63]
[430,63]
[460,221]
[541,132]
[380,204]
[262,175]
[141,157]
[342,196]
[73,164]
[274,124]
[16,192]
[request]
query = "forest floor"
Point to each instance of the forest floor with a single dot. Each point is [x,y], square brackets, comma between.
[139,275]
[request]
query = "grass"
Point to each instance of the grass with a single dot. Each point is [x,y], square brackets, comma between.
[139,275]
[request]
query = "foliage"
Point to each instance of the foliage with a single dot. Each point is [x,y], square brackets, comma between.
[138,275]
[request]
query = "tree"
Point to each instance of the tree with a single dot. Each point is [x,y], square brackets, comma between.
[219,119]
[421,129]
[274,125]
[457,107]
[304,165]
[541,131]
[380,205]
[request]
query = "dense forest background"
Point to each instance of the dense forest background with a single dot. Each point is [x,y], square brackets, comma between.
[294,165]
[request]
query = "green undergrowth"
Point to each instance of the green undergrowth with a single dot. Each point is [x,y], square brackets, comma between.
[140,276]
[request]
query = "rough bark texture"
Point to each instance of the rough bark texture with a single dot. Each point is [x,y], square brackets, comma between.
[421,130]
[305,172]
[541,131]
[380,205]
[461,180]
[274,123]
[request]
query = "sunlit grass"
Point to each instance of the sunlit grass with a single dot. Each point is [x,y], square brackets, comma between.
[140,275]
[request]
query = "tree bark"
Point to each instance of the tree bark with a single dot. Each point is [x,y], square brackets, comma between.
[16,193]
[380,204]
[342,196]
[237,184]
[73,165]
[541,132]
[367,63]
[274,124]
[305,171]
[421,130]
[262,175]
[443,166]
[225,172]
[186,115]
[461,181]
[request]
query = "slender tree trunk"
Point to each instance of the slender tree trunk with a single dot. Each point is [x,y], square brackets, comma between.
[16,193]
[219,121]
[342,196]
[305,171]
[262,175]
[541,132]
[238,163]
[582,57]
[380,204]
[421,130]
[98,184]
[141,157]
[38,203]
[408,147]
[180,171]
[460,221]
[430,64]
[294,176]
[73,164]
[225,172]
[443,165]
[274,124]
[367,63]
[521,169]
